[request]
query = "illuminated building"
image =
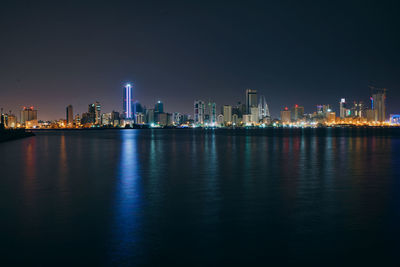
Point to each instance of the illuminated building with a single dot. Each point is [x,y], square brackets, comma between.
[297,112]
[159,107]
[227,112]
[97,113]
[199,110]
[235,119]
[115,119]
[379,103]
[150,116]
[247,119]
[254,116]
[28,114]
[137,108]
[139,118]
[127,101]
[326,109]
[371,115]
[106,119]
[239,109]
[342,108]
[90,116]
[357,110]
[263,110]
[212,113]
[220,120]
[176,118]
[77,119]
[11,121]
[331,117]
[285,115]
[395,118]
[251,100]
[69,115]
[164,119]
[186,118]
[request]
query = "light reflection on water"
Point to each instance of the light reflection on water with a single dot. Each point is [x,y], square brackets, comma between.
[127,208]
[160,197]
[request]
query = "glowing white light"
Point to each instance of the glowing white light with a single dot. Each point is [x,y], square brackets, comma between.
[128,101]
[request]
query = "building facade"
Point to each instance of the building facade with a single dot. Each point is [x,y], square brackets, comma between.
[285,115]
[251,100]
[128,102]
[227,112]
[199,112]
[70,115]
[28,114]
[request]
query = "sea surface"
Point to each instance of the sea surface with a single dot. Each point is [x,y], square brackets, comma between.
[274,197]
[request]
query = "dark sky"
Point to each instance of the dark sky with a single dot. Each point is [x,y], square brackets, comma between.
[57,53]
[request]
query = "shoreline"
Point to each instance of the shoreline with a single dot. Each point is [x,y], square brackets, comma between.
[14,134]
[216,128]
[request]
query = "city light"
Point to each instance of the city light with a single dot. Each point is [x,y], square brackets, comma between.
[253,114]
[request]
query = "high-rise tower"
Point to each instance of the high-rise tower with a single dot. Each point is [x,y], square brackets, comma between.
[70,115]
[342,108]
[159,107]
[251,99]
[97,112]
[211,112]
[263,110]
[128,102]
[379,103]
[199,110]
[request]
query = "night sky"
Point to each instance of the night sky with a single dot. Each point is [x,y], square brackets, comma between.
[57,53]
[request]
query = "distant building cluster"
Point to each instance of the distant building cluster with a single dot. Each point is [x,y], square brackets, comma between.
[254,112]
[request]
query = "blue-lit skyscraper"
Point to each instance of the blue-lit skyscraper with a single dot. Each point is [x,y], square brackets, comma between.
[128,101]
[159,107]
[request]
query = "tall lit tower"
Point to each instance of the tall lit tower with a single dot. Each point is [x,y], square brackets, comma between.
[128,102]
[199,111]
[211,111]
[379,103]
[97,112]
[70,115]
[251,99]
[342,110]
[263,111]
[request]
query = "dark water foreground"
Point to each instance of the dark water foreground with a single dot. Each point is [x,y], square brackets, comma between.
[201,198]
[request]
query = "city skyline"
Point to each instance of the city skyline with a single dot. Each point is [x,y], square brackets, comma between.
[254,112]
[177,53]
[129,89]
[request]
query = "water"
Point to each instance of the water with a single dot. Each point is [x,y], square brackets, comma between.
[201,198]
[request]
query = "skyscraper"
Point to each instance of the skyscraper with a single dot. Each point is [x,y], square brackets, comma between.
[227,112]
[28,114]
[212,113]
[379,103]
[98,113]
[254,116]
[357,110]
[285,115]
[91,118]
[150,116]
[251,99]
[199,110]
[342,106]
[263,110]
[70,115]
[297,112]
[159,107]
[128,101]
